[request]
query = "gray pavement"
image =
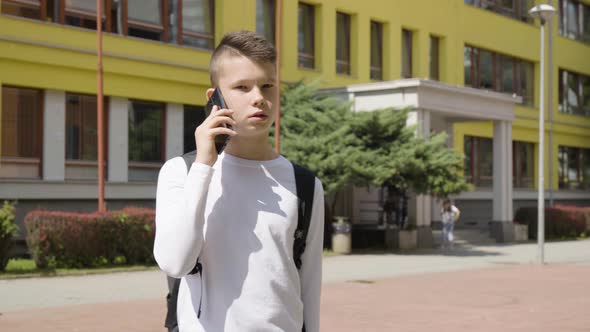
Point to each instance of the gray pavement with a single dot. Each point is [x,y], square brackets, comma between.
[35,293]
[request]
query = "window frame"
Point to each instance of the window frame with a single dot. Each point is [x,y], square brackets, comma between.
[28,160]
[476,160]
[436,57]
[106,25]
[563,17]
[163,28]
[407,51]
[564,106]
[42,5]
[346,63]
[376,72]
[309,56]
[182,32]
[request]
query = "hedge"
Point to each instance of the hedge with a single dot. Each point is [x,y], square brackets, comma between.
[560,221]
[59,239]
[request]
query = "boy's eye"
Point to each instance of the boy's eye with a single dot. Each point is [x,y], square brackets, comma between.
[241,87]
[267,86]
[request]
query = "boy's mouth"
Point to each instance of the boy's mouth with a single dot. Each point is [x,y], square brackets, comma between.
[258,116]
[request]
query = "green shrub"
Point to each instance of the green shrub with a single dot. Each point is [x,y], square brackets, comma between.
[560,222]
[74,240]
[8,229]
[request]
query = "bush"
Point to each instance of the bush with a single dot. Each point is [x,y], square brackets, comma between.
[560,222]
[72,240]
[8,230]
[585,210]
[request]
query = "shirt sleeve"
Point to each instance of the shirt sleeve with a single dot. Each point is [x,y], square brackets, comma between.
[180,215]
[311,267]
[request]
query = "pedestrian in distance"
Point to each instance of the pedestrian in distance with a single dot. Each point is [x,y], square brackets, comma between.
[228,223]
[450,214]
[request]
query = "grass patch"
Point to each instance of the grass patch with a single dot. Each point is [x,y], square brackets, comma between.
[26,268]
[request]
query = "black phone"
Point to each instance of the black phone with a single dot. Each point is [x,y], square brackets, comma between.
[217,99]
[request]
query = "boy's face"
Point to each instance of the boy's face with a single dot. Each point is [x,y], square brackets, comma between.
[248,89]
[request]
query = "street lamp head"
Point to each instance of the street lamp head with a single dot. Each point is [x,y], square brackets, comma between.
[543,12]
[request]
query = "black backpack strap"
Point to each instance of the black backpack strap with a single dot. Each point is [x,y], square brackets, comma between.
[171,300]
[305,183]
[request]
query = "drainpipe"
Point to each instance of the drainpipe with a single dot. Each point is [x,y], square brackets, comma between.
[99,110]
[550,107]
[278,22]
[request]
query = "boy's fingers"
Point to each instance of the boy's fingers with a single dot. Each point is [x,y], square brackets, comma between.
[222,131]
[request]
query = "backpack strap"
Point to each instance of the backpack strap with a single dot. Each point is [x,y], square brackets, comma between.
[305,183]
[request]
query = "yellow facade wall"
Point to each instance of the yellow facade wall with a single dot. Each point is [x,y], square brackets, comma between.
[52,56]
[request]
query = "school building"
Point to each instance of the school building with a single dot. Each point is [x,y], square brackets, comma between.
[467,67]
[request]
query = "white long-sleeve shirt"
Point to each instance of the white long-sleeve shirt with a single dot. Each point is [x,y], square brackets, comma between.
[239,218]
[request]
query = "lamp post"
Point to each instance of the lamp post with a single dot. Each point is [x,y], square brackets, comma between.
[543,12]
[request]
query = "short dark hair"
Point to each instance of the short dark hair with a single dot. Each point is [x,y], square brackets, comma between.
[242,43]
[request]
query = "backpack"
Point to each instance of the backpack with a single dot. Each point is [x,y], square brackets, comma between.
[305,183]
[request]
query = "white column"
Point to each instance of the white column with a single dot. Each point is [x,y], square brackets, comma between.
[174,130]
[423,202]
[118,131]
[502,210]
[54,135]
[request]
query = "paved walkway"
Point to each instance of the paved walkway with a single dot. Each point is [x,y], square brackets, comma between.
[472,288]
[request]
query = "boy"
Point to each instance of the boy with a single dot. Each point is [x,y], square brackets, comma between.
[237,212]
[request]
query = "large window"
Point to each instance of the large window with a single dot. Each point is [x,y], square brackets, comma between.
[146,19]
[478,161]
[82,136]
[82,13]
[342,43]
[523,166]
[306,36]
[406,53]
[193,117]
[574,93]
[493,71]
[21,133]
[196,24]
[265,19]
[146,140]
[517,9]
[574,20]
[434,58]
[376,51]
[574,168]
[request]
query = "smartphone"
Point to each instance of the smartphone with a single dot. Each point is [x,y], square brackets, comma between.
[217,99]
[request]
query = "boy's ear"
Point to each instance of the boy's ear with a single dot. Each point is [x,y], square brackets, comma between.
[209,93]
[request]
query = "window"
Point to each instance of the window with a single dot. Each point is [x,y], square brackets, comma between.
[34,9]
[21,133]
[478,161]
[516,9]
[434,58]
[342,43]
[82,13]
[146,140]
[406,53]
[82,136]
[265,19]
[574,93]
[489,70]
[147,19]
[376,51]
[523,160]
[574,20]
[306,36]
[193,117]
[196,24]
[574,168]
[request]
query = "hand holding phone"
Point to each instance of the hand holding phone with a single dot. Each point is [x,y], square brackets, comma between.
[213,134]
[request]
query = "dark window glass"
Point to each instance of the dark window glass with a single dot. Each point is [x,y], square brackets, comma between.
[145,131]
[145,19]
[574,93]
[82,13]
[21,133]
[406,53]
[486,63]
[265,19]
[376,51]
[517,9]
[574,168]
[342,43]
[306,36]
[574,20]
[523,164]
[81,127]
[478,160]
[197,24]
[193,117]
[468,66]
[434,58]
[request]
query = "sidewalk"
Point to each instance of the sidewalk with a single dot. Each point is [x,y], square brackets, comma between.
[472,288]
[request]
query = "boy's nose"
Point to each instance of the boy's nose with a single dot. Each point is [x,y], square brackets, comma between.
[257,97]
